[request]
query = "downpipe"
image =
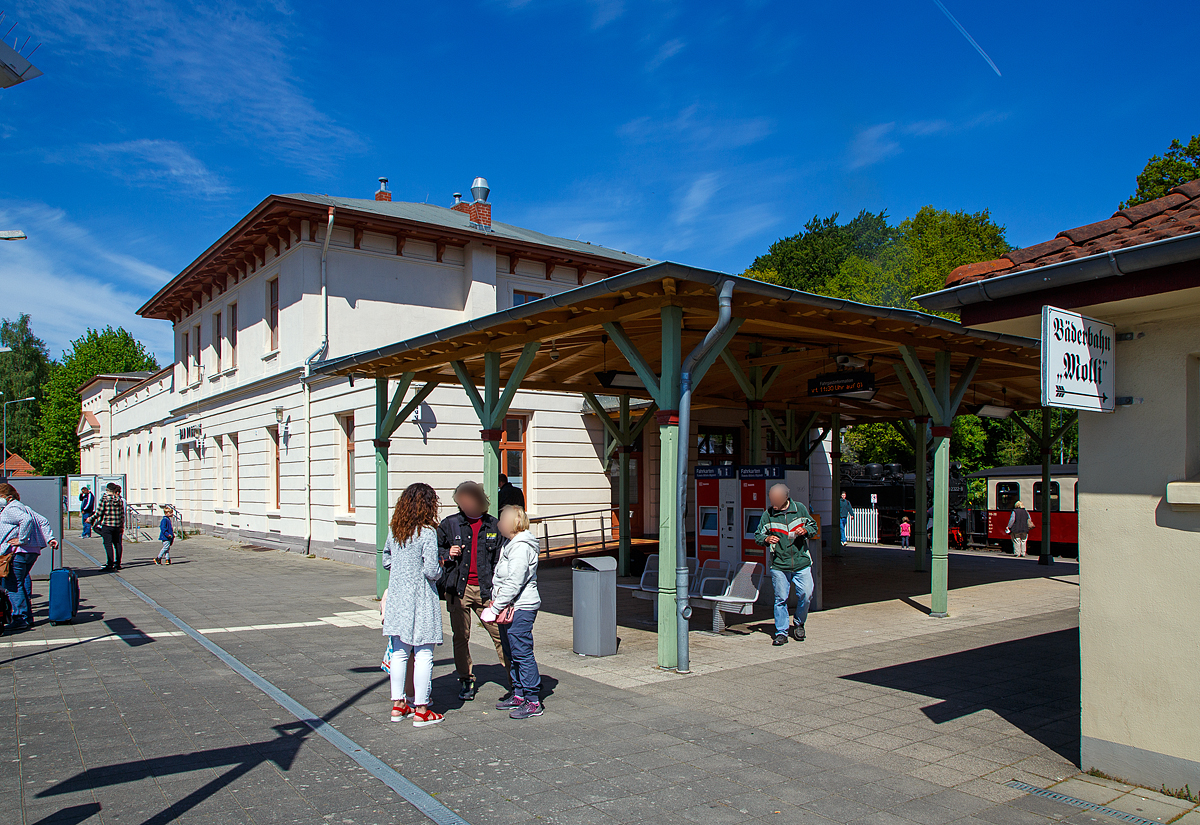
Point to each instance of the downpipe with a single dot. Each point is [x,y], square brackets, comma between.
[684,610]
[308,362]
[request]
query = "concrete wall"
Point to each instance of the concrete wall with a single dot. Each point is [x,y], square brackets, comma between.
[1140,561]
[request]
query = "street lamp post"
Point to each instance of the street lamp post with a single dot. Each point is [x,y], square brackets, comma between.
[5,447]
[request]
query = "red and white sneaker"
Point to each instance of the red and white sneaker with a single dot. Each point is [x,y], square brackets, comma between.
[401,709]
[421,718]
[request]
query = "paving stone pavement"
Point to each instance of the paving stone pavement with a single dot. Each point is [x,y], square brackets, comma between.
[119,718]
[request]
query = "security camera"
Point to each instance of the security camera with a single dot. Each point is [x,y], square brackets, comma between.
[850,361]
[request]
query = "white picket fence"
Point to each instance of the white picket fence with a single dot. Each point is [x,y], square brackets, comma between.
[864,527]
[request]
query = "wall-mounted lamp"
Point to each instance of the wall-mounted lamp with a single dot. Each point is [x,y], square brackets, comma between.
[279,415]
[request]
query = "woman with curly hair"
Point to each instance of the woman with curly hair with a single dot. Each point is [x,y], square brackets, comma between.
[412,616]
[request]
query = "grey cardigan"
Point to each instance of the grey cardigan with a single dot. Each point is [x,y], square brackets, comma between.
[413,612]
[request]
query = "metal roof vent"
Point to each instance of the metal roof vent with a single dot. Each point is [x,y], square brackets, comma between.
[457,198]
[479,189]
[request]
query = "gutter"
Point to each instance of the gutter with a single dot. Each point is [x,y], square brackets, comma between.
[649,274]
[308,362]
[1097,267]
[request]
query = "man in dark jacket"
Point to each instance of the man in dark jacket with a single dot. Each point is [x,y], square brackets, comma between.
[509,494]
[469,544]
[784,530]
[87,506]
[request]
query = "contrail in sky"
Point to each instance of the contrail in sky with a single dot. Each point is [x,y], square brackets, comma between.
[965,34]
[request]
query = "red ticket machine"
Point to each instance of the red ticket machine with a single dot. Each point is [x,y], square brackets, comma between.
[717,526]
[753,484]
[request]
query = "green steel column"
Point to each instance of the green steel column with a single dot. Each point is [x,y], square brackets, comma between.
[670,442]
[623,546]
[491,467]
[835,471]
[754,422]
[940,599]
[921,493]
[382,504]
[1047,554]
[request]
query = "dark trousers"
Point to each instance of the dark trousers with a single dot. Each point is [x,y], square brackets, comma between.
[112,543]
[517,639]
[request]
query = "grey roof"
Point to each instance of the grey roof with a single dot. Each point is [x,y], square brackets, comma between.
[442,216]
[1023,470]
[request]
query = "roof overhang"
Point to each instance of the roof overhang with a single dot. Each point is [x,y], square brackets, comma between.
[797,332]
[1113,263]
[276,224]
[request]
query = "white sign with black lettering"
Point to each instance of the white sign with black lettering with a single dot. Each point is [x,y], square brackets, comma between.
[1078,365]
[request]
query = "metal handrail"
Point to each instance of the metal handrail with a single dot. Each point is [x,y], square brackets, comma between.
[602,518]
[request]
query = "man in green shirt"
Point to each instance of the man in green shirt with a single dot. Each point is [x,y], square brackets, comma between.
[784,530]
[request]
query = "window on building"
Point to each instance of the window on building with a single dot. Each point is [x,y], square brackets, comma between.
[775,453]
[1008,493]
[233,335]
[521,296]
[347,421]
[273,312]
[273,447]
[1036,504]
[218,338]
[717,446]
[196,352]
[235,473]
[185,357]
[219,458]
[512,450]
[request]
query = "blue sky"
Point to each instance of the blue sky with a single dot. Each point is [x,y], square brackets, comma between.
[698,132]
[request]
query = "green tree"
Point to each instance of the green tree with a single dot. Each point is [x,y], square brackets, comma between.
[23,373]
[811,257]
[108,351]
[1179,164]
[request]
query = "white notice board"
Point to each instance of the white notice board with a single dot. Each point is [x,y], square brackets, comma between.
[1078,363]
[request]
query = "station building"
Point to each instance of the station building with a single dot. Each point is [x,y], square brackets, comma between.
[246,443]
[1139,470]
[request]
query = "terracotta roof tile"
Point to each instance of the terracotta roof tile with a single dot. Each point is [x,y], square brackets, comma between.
[1171,216]
[1084,233]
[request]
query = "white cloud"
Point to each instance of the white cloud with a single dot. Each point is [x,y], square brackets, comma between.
[67,280]
[226,62]
[665,52]
[155,163]
[697,128]
[872,145]
[695,199]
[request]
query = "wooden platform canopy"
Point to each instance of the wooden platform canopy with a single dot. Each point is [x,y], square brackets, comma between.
[627,336]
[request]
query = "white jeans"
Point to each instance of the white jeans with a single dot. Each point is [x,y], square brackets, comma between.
[1019,540]
[422,671]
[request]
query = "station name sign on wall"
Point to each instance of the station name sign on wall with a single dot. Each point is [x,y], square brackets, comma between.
[1078,364]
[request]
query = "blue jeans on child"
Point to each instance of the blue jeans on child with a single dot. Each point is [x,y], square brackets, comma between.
[783,581]
[517,641]
[165,552]
[17,585]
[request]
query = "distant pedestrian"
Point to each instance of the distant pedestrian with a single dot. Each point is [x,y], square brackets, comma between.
[166,534]
[110,524]
[846,513]
[515,598]
[509,494]
[87,506]
[412,616]
[905,532]
[1018,527]
[469,542]
[24,533]
[784,530]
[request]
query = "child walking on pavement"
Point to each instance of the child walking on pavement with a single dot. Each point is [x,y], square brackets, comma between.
[166,534]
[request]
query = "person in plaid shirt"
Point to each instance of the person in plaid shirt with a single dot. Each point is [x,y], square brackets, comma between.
[109,521]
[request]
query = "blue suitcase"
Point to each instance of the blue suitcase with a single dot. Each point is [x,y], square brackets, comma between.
[64,595]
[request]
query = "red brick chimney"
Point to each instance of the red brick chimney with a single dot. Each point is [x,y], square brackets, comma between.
[459,206]
[383,194]
[479,210]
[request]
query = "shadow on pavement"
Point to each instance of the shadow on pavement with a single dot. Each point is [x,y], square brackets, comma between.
[71,816]
[240,759]
[1032,683]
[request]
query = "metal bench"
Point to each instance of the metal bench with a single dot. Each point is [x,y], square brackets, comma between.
[647,587]
[734,592]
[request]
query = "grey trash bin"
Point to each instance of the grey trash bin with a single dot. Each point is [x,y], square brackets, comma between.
[594,605]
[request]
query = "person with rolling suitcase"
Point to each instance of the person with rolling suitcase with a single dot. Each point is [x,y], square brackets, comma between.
[23,535]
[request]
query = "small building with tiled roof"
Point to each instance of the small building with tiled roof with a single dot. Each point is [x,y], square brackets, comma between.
[1138,492]
[14,465]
